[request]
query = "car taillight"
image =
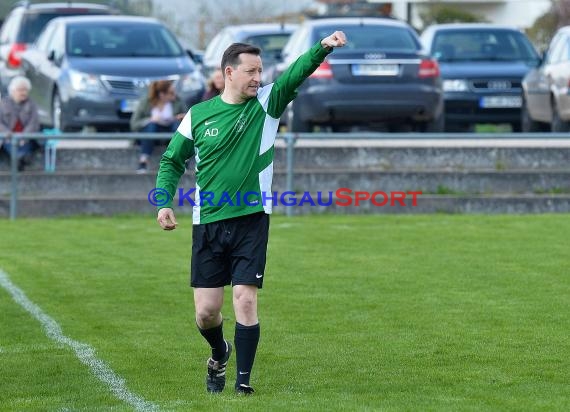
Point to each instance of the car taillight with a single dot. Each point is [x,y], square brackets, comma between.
[428,68]
[14,59]
[324,71]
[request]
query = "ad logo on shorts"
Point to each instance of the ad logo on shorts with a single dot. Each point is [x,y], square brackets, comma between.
[257,275]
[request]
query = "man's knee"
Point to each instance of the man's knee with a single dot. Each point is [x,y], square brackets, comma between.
[245,299]
[208,304]
[207,315]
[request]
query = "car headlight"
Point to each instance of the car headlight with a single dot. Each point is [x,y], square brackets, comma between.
[84,82]
[191,82]
[455,85]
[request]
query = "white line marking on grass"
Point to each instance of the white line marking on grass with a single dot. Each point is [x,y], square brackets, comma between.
[84,352]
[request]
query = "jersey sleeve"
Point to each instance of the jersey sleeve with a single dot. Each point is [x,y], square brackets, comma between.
[173,163]
[285,87]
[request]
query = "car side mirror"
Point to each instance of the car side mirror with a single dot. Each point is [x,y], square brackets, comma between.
[197,58]
[53,57]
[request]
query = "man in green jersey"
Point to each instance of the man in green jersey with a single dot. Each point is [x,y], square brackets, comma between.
[231,137]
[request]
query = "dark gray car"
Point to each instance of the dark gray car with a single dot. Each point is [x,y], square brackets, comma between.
[381,77]
[482,67]
[92,71]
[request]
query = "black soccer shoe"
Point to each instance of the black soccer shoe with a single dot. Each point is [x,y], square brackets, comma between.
[243,389]
[216,379]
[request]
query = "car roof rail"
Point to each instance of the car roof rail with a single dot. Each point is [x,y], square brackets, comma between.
[22,3]
[312,16]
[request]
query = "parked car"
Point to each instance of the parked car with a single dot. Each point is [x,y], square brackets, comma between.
[546,101]
[91,71]
[381,76]
[482,67]
[25,22]
[270,38]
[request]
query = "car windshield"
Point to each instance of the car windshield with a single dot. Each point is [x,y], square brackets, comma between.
[270,44]
[482,45]
[374,37]
[124,40]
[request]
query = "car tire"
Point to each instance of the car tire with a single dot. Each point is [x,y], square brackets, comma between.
[295,124]
[558,125]
[436,125]
[527,124]
[57,114]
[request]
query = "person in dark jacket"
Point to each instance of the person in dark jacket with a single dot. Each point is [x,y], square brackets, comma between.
[159,112]
[19,114]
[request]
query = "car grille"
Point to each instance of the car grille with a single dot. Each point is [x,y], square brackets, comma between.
[496,85]
[122,85]
[130,85]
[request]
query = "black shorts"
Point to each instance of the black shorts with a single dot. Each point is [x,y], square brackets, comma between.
[230,251]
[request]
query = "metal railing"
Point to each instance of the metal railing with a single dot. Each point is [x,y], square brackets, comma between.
[290,140]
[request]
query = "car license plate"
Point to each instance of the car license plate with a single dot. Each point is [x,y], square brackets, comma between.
[129,106]
[375,69]
[490,102]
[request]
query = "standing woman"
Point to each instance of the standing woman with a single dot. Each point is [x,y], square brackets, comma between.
[215,85]
[19,114]
[159,112]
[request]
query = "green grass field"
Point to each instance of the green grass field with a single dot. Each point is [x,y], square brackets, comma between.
[412,313]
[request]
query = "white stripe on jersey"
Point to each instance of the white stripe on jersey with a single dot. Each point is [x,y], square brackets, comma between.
[185,127]
[265,180]
[196,207]
[263,95]
[270,125]
[270,129]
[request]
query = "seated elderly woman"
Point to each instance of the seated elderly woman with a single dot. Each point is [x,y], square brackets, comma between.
[19,114]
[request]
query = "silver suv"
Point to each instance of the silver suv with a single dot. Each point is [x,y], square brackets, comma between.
[269,37]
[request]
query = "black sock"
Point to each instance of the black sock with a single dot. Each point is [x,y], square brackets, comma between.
[215,337]
[246,340]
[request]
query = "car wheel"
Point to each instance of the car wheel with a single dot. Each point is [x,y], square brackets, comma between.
[295,124]
[558,125]
[436,125]
[527,124]
[57,113]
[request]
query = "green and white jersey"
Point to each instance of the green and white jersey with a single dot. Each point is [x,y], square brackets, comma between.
[233,145]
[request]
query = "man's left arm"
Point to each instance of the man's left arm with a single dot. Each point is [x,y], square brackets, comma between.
[285,87]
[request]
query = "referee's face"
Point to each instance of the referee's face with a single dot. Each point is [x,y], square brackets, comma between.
[246,78]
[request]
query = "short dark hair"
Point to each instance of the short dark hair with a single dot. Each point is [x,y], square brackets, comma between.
[231,55]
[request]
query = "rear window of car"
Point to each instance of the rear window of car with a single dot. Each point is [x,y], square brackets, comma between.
[374,37]
[482,45]
[34,23]
[269,43]
[124,40]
